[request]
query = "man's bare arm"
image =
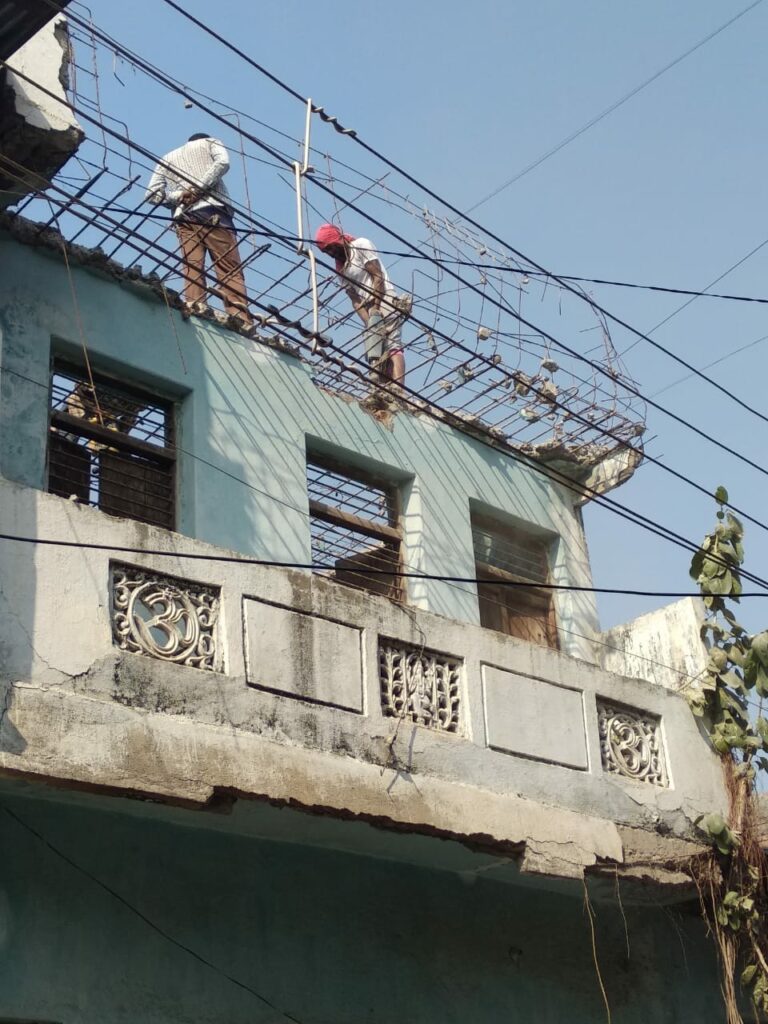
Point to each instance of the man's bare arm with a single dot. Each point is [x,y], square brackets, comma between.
[374,300]
[360,305]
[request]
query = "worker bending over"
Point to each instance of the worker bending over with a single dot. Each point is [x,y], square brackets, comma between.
[374,298]
[189,181]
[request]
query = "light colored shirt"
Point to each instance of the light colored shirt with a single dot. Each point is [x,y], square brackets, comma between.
[198,165]
[358,282]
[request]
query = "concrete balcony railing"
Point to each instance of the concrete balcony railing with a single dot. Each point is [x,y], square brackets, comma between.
[164,671]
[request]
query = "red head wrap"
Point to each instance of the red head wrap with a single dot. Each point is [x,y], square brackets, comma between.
[329,234]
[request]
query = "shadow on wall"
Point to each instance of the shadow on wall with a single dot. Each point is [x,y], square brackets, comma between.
[239,409]
[18,590]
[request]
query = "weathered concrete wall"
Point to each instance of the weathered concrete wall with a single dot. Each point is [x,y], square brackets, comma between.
[663,646]
[326,937]
[246,416]
[525,764]
[38,132]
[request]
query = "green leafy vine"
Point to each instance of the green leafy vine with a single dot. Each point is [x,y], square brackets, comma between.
[734,879]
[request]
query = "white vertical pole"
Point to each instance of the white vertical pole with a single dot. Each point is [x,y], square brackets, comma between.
[300,247]
[299,171]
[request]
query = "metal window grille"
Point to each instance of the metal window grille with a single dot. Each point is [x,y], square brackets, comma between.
[503,554]
[355,528]
[111,446]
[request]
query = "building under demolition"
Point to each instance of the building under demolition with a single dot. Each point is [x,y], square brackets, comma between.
[303,713]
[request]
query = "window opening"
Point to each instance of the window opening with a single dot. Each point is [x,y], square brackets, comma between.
[509,553]
[355,526]
[111,446]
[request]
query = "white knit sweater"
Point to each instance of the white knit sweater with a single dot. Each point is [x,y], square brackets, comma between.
[200,165]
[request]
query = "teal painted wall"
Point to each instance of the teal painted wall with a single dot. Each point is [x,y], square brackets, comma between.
[332,938]
[246,413]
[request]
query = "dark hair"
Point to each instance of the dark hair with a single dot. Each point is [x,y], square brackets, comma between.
[199,135]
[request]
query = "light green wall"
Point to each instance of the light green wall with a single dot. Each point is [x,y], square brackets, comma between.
[333,938]
[246,412]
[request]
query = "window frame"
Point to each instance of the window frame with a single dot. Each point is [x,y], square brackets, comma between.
[162,456]
[534,591]
[388,534]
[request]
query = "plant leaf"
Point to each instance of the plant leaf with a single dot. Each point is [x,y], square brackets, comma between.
[748,975]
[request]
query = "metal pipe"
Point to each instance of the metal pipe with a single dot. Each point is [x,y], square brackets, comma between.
[315,306]
[300,247]
[307,130]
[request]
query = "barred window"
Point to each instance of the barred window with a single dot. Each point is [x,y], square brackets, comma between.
[355,527]
[111,445]
[507,553]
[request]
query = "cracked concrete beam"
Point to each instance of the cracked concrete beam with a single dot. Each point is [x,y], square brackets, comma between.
[184,763]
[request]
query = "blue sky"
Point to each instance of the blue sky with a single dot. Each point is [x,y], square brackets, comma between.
[669,189]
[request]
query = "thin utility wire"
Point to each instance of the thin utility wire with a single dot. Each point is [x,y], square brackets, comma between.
[608,110]
[362,571]
[464,215]
[563,630]
[288,322]
[448,580]
[698,295]
[163,932]
[715,362]
[413,399]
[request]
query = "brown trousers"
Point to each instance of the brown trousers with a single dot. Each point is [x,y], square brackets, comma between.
[221,245]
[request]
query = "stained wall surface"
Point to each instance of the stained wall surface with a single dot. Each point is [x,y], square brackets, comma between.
[299,697]
[326,936]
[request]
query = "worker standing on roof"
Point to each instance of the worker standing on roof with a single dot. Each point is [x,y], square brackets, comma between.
[189,181]
[374,298]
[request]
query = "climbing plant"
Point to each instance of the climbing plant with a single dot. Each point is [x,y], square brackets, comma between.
[733,878]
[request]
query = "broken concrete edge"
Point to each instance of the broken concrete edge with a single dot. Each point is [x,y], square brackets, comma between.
[667,874]
[554,458]
[198,771]
[149,286]
[36,142]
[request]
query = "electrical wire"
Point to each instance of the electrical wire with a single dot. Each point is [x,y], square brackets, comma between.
[608,110]
[594,365]
[451,581]
[164,933]
[715,362]
[698,295]
[306,514]
[464,215]
[412,399]
[362,571]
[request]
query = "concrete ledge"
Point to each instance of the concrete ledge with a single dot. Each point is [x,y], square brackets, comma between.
[313,731]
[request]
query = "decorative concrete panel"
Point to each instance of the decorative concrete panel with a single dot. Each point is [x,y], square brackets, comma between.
[165,617]
[302,655]
[534,719]
[420,685]
[631,744]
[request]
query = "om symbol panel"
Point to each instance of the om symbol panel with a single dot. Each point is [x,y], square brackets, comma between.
[165,617]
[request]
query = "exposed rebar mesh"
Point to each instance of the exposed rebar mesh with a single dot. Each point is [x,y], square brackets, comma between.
[488,338]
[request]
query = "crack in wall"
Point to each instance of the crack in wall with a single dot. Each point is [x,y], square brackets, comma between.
[28,636]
